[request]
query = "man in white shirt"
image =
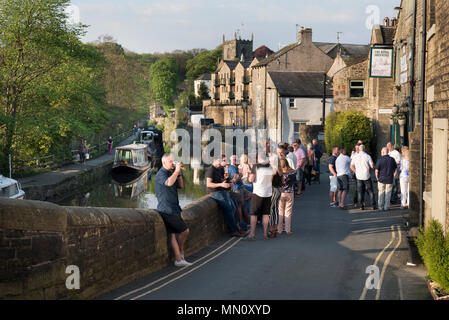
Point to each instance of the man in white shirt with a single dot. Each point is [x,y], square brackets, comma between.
[261,177]
[361,166]
[291,158]
[342,165]
[396,155]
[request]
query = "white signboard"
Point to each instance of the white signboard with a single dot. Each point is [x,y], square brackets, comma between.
[385,111]
[381,63]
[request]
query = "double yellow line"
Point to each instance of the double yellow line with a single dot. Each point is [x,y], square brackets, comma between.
[387,260]
[187,269]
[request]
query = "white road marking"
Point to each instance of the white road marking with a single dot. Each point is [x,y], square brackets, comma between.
[190,271]
[173,273]
[365,290]
[387,262]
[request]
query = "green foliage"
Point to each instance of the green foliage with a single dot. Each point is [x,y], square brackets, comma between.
[203,91]
[163,80]
[433,247]
[330,134]
[50,78]
[344,129]
[204,62]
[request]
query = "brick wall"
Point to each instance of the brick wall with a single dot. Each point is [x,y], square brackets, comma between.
[111,247]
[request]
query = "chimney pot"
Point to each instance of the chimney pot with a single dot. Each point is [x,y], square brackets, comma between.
[305,35]
[386,22]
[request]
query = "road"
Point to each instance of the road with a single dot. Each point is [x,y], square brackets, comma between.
[325,258]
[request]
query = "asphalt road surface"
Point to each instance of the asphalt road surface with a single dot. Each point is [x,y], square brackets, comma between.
[326,258]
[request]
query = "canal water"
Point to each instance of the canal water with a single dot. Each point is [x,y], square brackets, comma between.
[133,192]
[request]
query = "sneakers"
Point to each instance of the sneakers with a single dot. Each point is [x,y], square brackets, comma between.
[182,263]
[333,205]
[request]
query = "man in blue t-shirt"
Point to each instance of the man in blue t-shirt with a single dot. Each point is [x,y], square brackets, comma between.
[239,192]
[167,184]
[386,171]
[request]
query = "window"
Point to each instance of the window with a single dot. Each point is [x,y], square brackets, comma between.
[296,126]
[291,102]
[357,89]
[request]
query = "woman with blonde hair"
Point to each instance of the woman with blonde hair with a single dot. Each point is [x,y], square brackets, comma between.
[404,168]
[245,168]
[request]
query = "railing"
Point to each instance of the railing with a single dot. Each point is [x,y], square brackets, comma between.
[37,165]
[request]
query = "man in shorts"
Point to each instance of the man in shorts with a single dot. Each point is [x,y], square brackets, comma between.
[262,178]
[342,165]
[167,184]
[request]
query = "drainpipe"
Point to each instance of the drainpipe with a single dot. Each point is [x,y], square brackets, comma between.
[324,101]
[265,100]
[412,71]
[422,93]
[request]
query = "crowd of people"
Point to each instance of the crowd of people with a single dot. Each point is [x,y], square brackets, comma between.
[265,192]
[391,172]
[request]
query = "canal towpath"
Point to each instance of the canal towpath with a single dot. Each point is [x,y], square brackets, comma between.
[50,180]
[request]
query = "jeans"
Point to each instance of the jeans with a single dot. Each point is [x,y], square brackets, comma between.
[228,206]
[365,186]
[384,195]
[394,192]
[404,191]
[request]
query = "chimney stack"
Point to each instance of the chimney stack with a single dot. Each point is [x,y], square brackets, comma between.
[305,35]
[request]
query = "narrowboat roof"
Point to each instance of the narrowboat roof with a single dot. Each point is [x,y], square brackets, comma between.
[5,182]
[135,146]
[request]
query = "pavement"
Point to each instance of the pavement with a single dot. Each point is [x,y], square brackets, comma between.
[58,175]
[325,259]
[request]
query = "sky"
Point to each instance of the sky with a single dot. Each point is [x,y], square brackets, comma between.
[148,26]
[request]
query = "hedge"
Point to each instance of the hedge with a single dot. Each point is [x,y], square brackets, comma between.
[433,247]
[345,129]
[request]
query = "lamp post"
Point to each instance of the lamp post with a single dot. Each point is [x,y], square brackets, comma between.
[245,114]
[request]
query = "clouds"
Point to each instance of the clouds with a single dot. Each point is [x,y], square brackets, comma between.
[156,25]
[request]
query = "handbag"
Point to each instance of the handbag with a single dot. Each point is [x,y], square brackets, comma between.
[86,156]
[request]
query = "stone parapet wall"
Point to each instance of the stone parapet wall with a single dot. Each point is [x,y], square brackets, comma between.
[111,247]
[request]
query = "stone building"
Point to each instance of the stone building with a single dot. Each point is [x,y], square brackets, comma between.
[206,80]
[355,90]
[295,99]
[302,56]
[231,84]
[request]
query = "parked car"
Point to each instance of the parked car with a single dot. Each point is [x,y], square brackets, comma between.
[10,188]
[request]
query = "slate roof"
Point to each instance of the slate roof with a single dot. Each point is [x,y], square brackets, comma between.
[205,77]
[388,34]
[331,49]
[352,60]
[262,52]
[299,84]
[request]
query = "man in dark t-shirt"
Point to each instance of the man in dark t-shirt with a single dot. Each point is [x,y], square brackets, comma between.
[167,184]
[386,170]
[219,190]
[333,175]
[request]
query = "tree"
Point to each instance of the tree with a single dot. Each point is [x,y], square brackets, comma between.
[203,91]
[36,40]
[204,62]
[163,80]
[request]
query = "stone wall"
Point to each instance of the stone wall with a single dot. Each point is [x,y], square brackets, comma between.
[111,247]
[60,190]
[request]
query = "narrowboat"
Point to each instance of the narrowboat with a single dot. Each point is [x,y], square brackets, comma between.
[131,159]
